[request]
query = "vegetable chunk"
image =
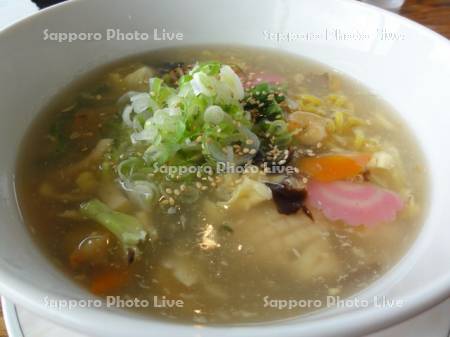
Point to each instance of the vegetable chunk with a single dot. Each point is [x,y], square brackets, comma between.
[334,167]
[125,227]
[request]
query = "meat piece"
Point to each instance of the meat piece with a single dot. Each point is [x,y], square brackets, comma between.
[307,127]
[246,195]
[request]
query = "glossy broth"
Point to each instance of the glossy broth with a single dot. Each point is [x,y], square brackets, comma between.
[256,255]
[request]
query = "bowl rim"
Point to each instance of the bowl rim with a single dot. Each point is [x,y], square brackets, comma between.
[352,322]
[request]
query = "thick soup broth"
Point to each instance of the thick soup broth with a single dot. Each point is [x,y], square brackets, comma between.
[224,178]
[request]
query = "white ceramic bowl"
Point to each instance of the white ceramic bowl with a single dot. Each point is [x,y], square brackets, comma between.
[411,70]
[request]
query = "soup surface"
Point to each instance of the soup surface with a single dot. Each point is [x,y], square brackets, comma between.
[227,179]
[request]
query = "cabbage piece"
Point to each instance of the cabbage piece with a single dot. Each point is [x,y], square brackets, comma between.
[382,160]
[138,79]
[247,194]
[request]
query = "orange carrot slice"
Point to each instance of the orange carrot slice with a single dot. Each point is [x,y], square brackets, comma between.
[334,167]
[109,281]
